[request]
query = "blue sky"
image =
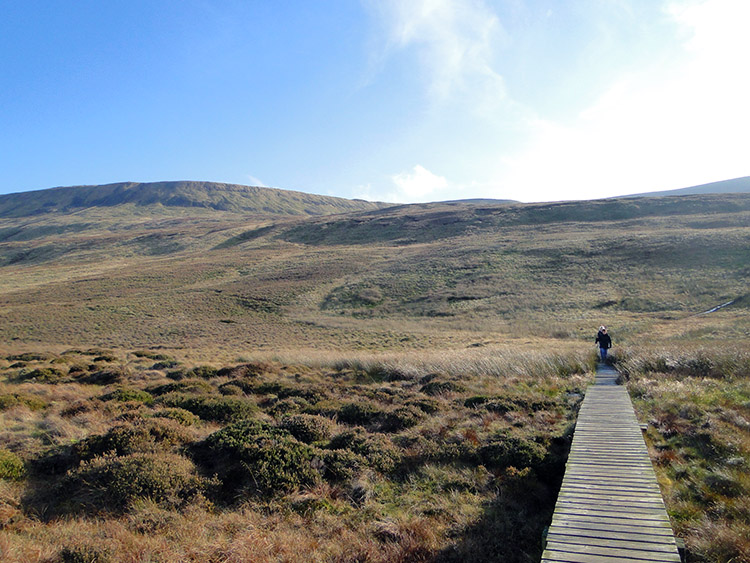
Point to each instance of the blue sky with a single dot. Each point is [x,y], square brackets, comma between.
[404,101]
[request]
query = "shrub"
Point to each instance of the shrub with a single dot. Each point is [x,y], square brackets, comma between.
[245,385]
[11,466]
[246,370]
[388,373]
[205,372]
[441,387]
[427,405]
[152,355]
[221,409]
[360,413]
[307,428]
[401,418]
[506,403]
[311,393]
[85,553]
[125,394]
[723,483]
[341,465]
[42,375]
[198,386]
[379,451]
[113,482]
[107,376]
[106,358]
[166,364]
[255,457]
[289,405]
[11,400]
[28,357]
[231,390]
[144,435]
[182,416]
[512,451]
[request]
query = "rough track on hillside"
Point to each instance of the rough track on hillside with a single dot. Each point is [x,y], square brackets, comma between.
[610,507]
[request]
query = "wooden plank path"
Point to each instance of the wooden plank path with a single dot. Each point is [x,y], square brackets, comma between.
[610,507]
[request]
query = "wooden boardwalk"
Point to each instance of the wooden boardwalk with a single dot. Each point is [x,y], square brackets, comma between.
[610,507]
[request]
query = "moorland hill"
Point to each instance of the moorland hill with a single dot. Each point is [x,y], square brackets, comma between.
[406,276]
[733,186]
[208,195]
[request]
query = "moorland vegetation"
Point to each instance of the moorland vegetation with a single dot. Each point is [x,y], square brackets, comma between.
[196,383]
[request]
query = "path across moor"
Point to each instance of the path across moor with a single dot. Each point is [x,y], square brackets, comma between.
[610,507]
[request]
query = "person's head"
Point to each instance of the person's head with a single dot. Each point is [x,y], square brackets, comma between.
[602,328]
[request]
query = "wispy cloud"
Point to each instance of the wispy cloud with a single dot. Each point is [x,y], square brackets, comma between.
[456,43]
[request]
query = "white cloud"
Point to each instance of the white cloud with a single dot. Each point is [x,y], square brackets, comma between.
[418,185]
[670,125]
[455,40]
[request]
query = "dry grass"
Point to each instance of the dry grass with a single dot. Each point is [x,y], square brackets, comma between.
[441,501]
[696,400]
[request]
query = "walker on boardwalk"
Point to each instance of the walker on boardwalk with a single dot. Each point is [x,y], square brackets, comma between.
[610,507]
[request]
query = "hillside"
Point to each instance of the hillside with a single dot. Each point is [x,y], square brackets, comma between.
[733,186]
[398,278]
[208,195]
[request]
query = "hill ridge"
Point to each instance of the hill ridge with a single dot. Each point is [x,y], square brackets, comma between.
[182,193]
[732,186]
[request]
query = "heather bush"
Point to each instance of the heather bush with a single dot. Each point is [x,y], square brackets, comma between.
[112,483]
[220,409]
[205,372]
[289,405]
[360,413]
[307,428]
[442,387]
[254,457]
[11,400]
[341,465]
[12,467]
[152,355]
[511,451]
[311,393]
[379,451]
[197,386]
[42,375]
[29,357]
[165,364]
[106,376]
[125,394]
[247,386]
[142,435]
[231,390]
[427,405]
[247,370]
[85,552]
[401,418]
[184,417]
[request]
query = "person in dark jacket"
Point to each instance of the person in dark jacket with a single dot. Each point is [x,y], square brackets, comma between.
[605,342]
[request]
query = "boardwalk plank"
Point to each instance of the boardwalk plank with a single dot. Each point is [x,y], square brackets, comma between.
[610,507]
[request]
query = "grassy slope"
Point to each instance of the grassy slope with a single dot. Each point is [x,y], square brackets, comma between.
[408,277]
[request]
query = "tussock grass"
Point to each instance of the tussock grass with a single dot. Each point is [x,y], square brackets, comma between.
[413,477]
[696,400]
